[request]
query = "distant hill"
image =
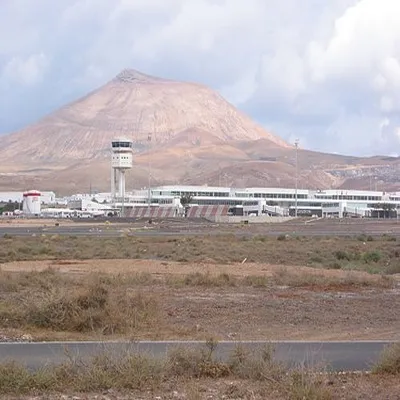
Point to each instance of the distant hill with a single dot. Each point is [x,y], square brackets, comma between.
[197,137]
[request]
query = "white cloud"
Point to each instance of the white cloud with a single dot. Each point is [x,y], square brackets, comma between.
[25,71]
[326,72]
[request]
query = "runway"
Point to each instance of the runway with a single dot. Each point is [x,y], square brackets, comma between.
[198,228]
[332,356]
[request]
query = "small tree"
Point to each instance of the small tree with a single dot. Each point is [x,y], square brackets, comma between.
[12,206]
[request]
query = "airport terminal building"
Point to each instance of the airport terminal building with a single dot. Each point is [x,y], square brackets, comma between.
[207,201]
[265,201]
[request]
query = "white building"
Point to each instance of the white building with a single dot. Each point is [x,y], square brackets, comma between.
[31,203]
[272,201]
[45,198]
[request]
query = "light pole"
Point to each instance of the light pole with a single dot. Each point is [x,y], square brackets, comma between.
[296,143]
[149,184]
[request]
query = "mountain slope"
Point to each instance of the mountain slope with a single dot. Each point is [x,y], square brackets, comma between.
[135,106]
[197,137]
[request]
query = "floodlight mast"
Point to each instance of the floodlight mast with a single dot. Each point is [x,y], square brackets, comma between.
[296,143]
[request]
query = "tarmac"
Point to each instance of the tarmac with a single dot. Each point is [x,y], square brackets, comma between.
[326,356]
[178,227]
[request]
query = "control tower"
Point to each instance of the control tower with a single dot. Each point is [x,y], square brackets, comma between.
[121,160]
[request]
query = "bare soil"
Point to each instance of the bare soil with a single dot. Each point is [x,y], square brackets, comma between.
[294,303]
[338,387]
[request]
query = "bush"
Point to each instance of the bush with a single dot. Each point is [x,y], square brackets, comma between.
[316,259]
[282,237]
[342,255]
[335,265]
[389,362]
[388,238]
[308,386]
[95,308]
[258,365]
[372,256]
[204,279]
[138,371]
[393,269]
[197,363]
[256,281]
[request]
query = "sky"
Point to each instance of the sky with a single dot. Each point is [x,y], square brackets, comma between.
[325,72]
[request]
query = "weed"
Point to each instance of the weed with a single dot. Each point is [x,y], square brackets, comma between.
[342,255]
[94,307]
[393,269]
[288,278]
[316,259]
[306,385]
[372,256]
[258,281]
[362,238]
[389,362]
[218,248]
[141,372]
[334,265]
[388,238]
[203,279]
[258,365]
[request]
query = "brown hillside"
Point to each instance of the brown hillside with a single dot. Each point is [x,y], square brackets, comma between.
[133,105]
[197,138]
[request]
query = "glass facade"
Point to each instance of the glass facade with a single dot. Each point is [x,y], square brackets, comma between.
[127,145]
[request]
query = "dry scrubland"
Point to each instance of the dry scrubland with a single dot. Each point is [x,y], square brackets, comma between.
[219,287]
[366,253]
[198,374]
[195,288]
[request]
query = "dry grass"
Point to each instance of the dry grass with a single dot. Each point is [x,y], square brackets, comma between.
[209,280]
[142,373]
[132,304]
[389,362]
[289,277]
[380,255]
[56,302]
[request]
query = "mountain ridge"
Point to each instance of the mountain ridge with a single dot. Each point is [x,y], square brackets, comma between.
[196,135]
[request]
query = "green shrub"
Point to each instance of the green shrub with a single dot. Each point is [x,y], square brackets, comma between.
[362,238]
[388,238]
[342,255]
[372,256]
[335,265]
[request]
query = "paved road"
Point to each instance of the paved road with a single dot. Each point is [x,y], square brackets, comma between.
[170,228]
[335,356]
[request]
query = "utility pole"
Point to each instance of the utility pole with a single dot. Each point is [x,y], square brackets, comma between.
[149,183]
[296,143]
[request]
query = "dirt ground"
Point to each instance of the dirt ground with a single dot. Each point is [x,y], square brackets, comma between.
[272,312]
[337,387]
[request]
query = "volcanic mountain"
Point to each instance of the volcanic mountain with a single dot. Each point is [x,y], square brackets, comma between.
[187,132]
[138,107]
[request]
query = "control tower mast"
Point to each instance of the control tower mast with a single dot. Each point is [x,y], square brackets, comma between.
[121,161]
